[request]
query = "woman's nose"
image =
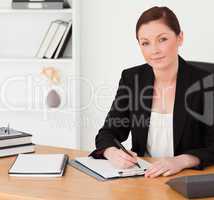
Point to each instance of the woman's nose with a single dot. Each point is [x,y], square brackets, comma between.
[155,49]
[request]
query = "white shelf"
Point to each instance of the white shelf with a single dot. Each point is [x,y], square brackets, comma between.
[22,31]
[37,60]
[39,11]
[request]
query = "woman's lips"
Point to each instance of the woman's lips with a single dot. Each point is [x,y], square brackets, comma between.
[157,59]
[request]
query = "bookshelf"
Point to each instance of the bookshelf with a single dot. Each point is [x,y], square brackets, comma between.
[24,88]
[31,11]
[50,61]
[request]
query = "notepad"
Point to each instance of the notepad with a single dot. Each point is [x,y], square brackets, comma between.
[104,168]
[39,165]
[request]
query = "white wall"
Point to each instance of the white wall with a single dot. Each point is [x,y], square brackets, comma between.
[108,45]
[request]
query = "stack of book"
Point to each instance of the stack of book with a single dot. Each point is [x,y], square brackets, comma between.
[56,38]
[13,142]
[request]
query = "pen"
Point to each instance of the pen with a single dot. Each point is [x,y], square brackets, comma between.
[123,149]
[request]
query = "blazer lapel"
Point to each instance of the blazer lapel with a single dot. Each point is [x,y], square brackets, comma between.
[179,112]
[146,90]
[148,86]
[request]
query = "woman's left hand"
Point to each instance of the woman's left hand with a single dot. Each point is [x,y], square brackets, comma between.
[165,167]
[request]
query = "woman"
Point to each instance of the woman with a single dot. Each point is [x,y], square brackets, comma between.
[152,103]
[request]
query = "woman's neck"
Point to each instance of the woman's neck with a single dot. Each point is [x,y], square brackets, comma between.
[166,76]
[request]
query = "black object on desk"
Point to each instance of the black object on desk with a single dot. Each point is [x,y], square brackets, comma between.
[196,186]
[123,149]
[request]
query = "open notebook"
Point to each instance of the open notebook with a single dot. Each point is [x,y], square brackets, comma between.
[104,169]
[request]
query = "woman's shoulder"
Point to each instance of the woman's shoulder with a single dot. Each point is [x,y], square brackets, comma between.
[197,72]
[136,70]
[132,74]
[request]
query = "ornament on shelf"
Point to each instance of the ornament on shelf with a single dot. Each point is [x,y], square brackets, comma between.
[53,99]
[51,74]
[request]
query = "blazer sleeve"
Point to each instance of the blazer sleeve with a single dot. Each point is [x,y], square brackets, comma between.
[206,153]
[117,122]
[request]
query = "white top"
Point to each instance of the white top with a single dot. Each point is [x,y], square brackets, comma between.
[160,135]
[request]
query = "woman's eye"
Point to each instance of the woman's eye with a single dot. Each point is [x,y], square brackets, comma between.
[144,43]
[162,39]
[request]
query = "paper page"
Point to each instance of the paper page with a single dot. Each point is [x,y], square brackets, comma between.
[144,165]
[105,169]
[37,163]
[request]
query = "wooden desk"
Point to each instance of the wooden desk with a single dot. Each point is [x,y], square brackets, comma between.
[76,185]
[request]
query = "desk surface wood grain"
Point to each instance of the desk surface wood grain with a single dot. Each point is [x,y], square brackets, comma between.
[76,185]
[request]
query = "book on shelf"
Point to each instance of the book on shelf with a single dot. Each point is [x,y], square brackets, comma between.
[39,4]
[55,40]
[13,142]
[49,35]
[39,165]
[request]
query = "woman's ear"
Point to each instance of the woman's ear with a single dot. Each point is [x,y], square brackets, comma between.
[180,38]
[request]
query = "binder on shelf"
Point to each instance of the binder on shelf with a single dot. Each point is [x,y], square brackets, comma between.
[66,37]
[55,40]
[41,4]
[39,165]
[101,169]
[52,47]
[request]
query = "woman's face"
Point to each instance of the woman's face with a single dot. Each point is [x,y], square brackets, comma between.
[159,44]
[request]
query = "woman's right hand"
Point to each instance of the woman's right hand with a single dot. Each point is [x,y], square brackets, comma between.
[119,158]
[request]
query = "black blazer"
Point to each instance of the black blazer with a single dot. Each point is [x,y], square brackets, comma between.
[131,109]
